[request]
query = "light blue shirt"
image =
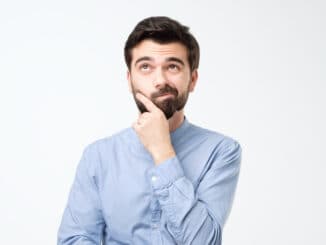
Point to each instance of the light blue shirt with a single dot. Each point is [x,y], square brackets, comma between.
[119,196]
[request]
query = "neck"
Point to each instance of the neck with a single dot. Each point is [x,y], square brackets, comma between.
[176,120]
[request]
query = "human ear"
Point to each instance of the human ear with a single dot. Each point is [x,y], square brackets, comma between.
[129,81]
[194,78]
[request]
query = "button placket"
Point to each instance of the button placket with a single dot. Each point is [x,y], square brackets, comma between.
[155,221]
[154,178]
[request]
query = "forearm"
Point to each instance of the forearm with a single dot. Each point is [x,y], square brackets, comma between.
[189,220]
[73,231]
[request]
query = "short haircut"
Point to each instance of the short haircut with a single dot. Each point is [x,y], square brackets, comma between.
[163,30]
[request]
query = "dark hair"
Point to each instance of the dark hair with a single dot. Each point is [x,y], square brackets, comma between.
[163,30]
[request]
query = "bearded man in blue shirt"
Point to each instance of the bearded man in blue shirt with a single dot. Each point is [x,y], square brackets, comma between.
[163,180]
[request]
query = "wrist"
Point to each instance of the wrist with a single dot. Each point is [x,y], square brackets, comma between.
[163,155]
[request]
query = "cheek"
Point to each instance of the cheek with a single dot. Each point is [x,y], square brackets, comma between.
[141,80]
[139,85]
[180,81]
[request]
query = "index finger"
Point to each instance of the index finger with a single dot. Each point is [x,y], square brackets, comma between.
[150,106]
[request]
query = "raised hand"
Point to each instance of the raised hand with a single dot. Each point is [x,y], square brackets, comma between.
[152,128]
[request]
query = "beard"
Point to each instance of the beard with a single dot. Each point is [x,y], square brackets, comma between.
[168,105]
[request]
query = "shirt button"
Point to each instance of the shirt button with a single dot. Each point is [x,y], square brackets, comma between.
[154,226]
[154,178]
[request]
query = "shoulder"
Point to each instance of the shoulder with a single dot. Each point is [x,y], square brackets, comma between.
[96,155]
[221,145]
[215,137]
[100,151]
[106,143]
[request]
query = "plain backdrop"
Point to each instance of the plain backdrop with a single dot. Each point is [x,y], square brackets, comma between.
[261,81]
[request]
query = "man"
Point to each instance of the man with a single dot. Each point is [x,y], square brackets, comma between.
[163,180]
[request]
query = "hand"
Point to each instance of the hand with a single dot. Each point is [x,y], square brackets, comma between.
[153,130]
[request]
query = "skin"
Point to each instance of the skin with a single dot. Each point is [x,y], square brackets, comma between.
[153,66]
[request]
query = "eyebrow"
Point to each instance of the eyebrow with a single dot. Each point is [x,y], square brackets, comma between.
[147,58]
[175,60]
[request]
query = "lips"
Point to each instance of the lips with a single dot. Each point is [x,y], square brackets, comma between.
[165,95]
[166,91]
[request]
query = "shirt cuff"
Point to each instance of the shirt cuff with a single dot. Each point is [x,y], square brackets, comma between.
[166,173]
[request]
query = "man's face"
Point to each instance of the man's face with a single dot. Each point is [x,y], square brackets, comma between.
[162,73]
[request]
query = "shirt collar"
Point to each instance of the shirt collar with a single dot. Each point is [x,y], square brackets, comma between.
[179,132]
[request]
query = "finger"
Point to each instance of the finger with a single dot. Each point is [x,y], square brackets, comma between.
[142,118]
[147,102]
[140,121]
[136,126]
[144,115]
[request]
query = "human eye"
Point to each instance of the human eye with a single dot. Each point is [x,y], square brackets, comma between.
[173,67]
[144,67]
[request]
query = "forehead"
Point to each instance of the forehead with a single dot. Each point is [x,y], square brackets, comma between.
[159,52]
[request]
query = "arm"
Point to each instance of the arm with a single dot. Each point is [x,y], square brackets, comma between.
[197,217]
[82,221]
[193,217]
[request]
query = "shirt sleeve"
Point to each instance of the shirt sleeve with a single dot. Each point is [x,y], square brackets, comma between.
[197,216]
[82,222]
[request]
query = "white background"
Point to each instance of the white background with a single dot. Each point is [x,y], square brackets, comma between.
[262,81]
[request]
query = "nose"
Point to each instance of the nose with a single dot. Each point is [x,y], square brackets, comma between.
[160,78]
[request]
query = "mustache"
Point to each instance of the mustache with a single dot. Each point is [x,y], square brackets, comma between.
[165,90]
